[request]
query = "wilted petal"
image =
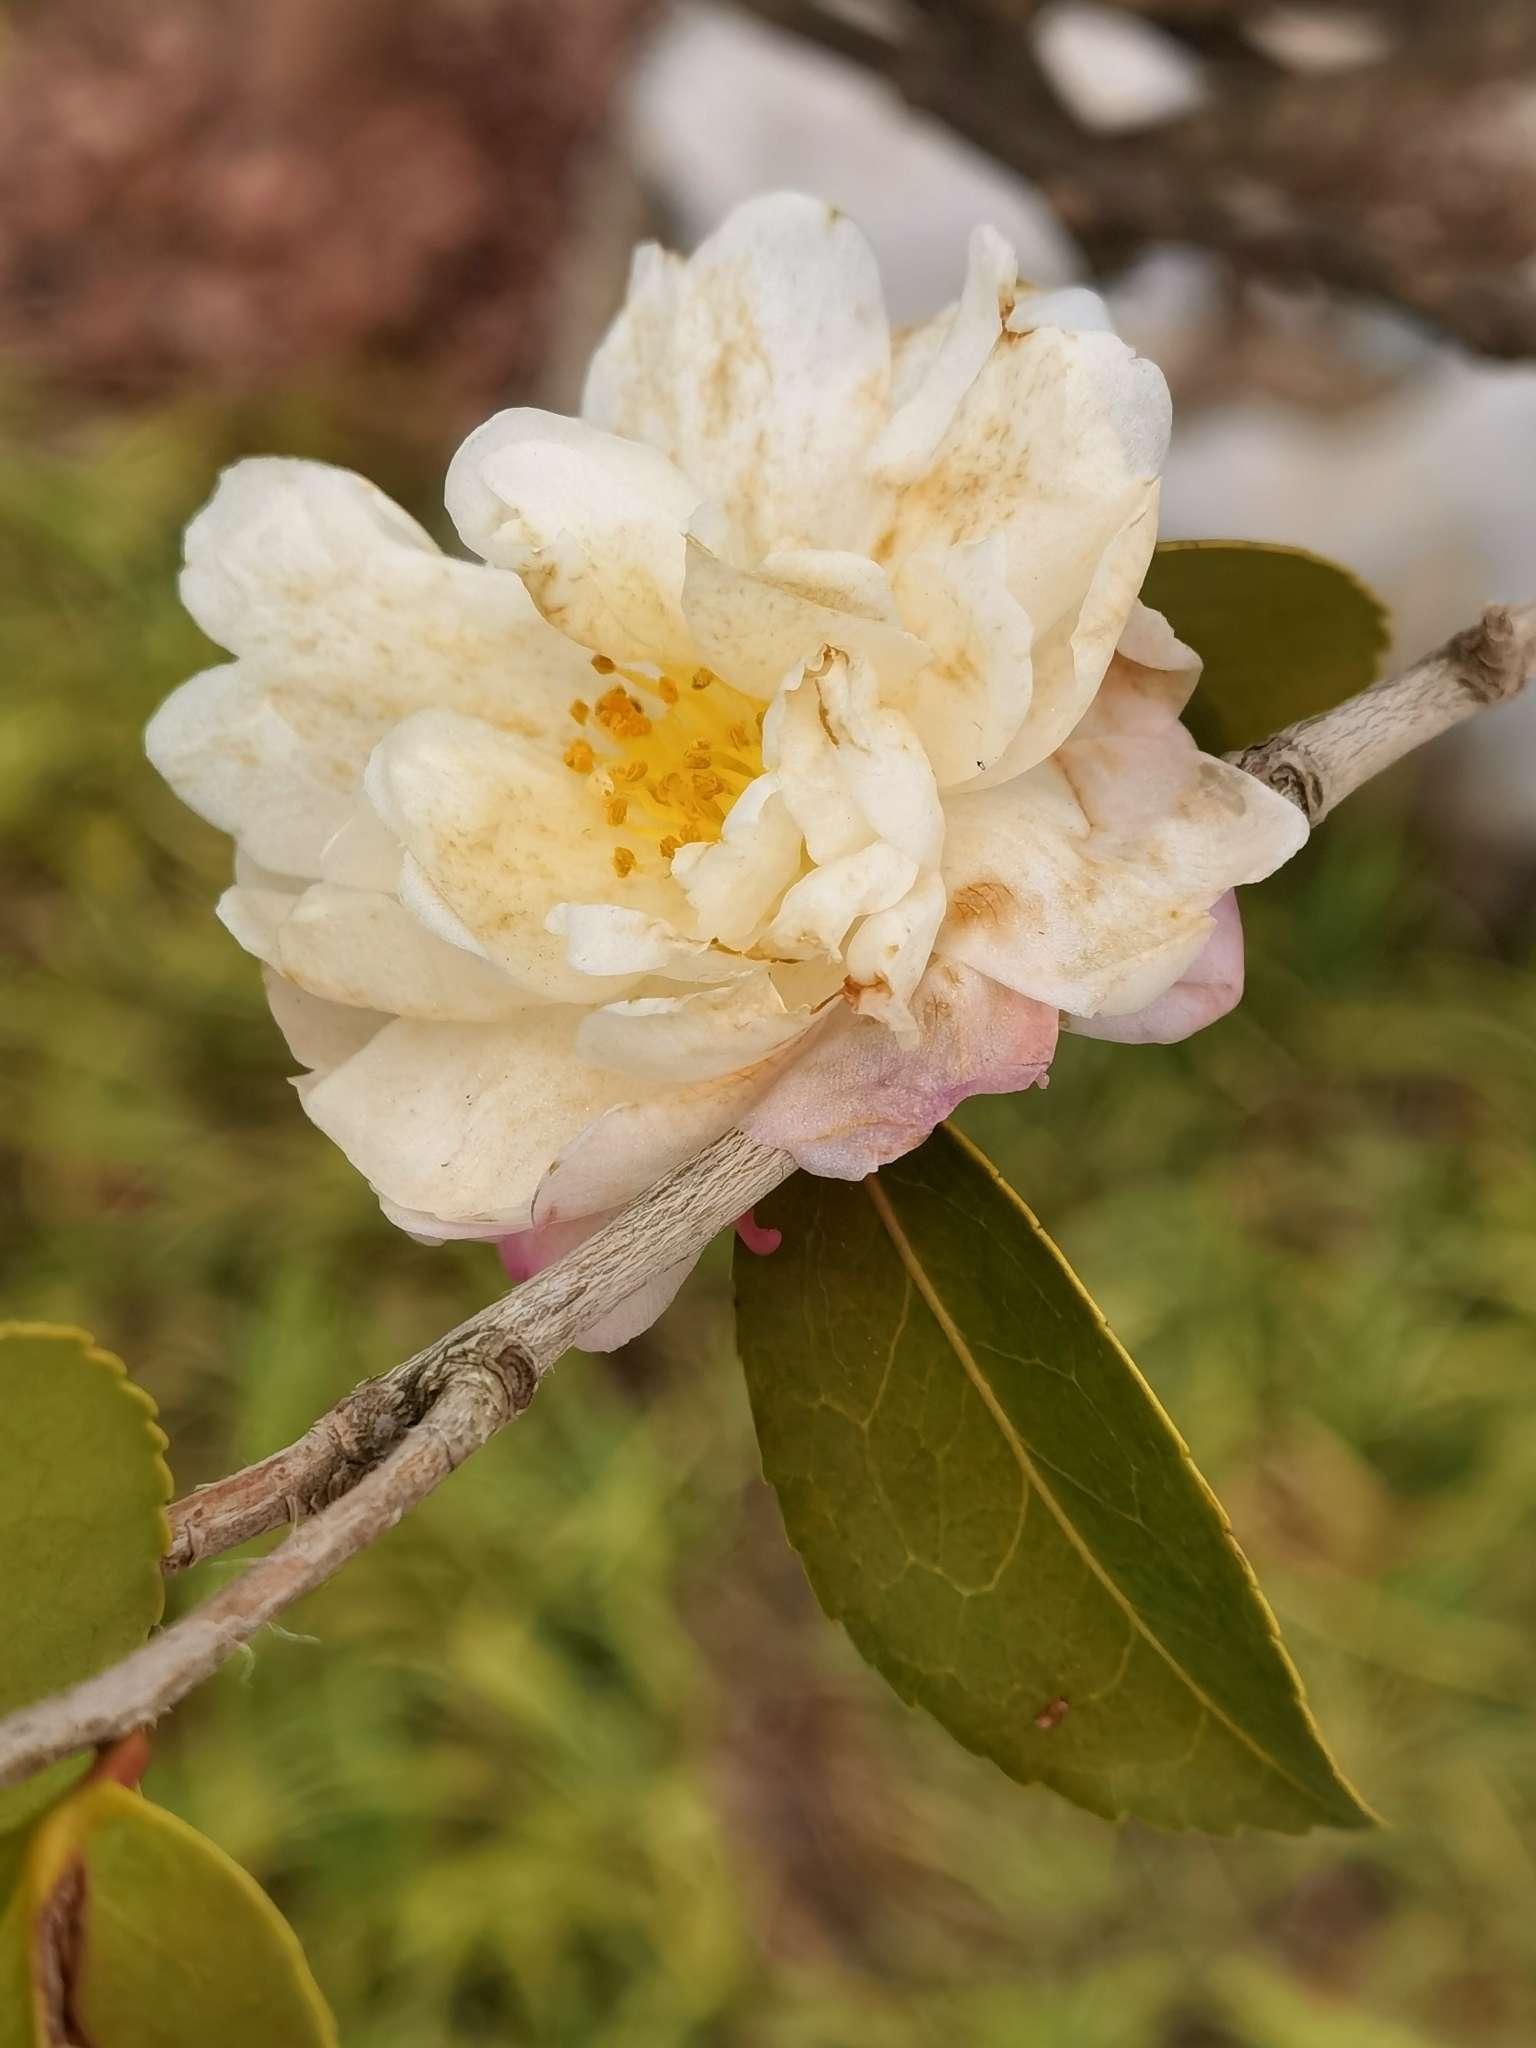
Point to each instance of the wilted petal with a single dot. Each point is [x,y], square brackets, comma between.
[761,367]
[890,952]
[695,1037]
[591,523]
[1210,987]
[733,884]
[458,1123]
[816,913]
[856,1098]
[1088,882]
[1052,443]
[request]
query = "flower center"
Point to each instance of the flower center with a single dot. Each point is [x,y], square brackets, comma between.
[671,750]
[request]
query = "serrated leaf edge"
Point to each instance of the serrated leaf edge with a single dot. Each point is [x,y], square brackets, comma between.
[97,1355]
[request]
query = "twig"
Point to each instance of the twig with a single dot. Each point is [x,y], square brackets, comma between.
[462,1389]
[391,1441]
[1322,760]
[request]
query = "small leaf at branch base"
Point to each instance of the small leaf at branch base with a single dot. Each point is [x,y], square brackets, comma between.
[986,1493]
[162,1941]
[1282,633]
[83,1488]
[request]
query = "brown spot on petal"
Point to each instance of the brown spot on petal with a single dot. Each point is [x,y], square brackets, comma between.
[987,903]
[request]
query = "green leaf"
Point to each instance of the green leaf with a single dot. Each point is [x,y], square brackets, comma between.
[163,1941]
[82,1525]
[1283,634]
[986,1493]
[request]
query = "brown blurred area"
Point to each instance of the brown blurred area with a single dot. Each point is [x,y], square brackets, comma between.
[239,194]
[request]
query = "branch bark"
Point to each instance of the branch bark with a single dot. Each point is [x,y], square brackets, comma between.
[387,1444]
[1322,760]
[1410,179]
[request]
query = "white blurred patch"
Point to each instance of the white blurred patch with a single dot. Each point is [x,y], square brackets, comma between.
[1114,71]
[721,108]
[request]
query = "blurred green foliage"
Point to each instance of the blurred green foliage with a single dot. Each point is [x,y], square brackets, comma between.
[571,1758]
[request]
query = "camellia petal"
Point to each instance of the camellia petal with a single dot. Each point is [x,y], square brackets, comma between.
[762,368]
[695,1037]
[460,1122]
[816,913]
[1210,987]
[758,626]
[593,524]
[363,948]
[798,752]
[857,1098]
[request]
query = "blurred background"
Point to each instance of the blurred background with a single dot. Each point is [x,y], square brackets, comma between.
[571,1758]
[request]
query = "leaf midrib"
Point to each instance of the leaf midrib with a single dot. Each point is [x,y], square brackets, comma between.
[924,1285]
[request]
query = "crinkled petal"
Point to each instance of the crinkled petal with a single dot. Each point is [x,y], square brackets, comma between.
[733,883]
[761,367]
[856,1099]
[695,1037]
[889,955]
[799,748]
[816,913]
[1210,987]
[457,1124]
[501,832]
[592,523]
[881,761]
[754,627]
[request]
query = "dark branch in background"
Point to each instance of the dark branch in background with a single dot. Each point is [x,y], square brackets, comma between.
[1411,178]
[350,1478]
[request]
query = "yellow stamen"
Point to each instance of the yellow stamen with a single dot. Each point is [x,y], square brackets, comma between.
[579,755]
[623,861]
[581,710]
[603,665]
[674,750]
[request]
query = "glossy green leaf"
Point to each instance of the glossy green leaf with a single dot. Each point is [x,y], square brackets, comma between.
[163,1941]
[986,1493]
[82,1525]
[1282,633]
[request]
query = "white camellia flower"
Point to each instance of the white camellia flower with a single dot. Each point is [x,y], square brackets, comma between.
[795,755]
